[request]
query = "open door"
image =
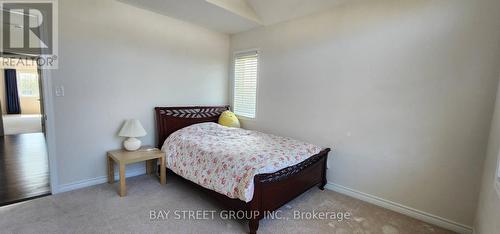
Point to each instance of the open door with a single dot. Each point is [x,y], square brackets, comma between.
[40,100]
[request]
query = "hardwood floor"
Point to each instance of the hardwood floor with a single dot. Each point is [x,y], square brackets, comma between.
[24,171]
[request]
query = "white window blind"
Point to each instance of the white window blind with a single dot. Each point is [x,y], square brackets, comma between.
[245,83]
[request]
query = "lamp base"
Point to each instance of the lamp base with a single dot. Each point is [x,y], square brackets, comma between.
[132,144]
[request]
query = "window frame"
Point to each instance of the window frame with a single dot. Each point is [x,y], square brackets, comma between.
[20,91]
[257,80]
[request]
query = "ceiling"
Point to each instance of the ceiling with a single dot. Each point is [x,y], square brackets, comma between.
[275,11]
[233,16]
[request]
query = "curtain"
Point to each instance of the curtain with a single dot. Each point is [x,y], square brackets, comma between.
[13,105]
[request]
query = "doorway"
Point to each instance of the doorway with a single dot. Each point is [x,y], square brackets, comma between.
[24,169]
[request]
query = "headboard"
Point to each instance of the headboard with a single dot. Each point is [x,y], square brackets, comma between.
[171,119]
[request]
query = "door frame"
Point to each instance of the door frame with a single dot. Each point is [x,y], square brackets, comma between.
[48,108]
[50,136]
[45,82]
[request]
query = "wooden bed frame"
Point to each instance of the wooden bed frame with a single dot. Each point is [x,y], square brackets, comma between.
[271,190]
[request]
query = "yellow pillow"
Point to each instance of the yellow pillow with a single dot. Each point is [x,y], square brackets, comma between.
[229,119]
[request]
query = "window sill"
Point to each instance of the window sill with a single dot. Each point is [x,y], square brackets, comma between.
[244,118]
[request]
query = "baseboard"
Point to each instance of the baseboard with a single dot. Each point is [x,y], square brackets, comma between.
[414,213]
[98,180]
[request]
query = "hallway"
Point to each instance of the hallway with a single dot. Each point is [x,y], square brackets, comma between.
[24,171]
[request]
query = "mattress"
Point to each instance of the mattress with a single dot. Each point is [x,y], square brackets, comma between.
[226,159]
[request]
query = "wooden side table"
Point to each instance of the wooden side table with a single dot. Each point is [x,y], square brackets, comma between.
[123,157]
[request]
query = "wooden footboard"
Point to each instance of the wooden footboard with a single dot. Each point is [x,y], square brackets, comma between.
[276,189]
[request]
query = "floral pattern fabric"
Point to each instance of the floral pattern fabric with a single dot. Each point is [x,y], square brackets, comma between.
[226,159]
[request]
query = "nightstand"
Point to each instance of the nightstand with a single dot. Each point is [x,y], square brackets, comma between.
[123,157]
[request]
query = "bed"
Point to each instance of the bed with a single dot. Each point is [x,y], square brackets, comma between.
[269,189]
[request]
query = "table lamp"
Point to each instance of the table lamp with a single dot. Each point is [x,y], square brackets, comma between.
[132,129]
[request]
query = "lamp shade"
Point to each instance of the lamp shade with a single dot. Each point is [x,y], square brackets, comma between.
[132,128]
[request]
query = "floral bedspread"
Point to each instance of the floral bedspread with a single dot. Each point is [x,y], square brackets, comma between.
[226,159]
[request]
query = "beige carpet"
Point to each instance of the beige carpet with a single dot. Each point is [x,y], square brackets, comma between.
[98,209]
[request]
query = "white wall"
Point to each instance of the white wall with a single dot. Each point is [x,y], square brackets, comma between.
[488,213]
[118,62]
[403,91]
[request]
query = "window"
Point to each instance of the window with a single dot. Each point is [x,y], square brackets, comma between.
[27,84]
[245,83]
